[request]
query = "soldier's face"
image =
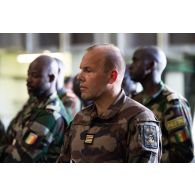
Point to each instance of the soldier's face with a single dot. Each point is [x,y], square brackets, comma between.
[138,67]
[37,80]
[93,79]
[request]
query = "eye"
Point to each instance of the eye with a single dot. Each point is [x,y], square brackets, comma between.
[87,70]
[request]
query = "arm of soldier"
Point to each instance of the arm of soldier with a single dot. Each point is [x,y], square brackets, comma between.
[38,137]
[65,149]
[178,125]
[144,139]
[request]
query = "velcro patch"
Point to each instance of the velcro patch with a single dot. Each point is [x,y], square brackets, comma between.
[175,123]
[149,136]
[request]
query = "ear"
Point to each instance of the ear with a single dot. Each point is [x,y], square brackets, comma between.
[150,67]
[51,78]
[113,76]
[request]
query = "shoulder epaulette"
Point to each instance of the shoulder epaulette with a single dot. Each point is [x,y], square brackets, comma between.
[53,107]
[172,96]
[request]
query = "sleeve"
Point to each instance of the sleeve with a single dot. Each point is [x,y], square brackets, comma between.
[65,149]
[178,126]
[144,139]
[41,140]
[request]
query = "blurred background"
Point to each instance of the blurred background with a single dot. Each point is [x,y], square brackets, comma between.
[17,50]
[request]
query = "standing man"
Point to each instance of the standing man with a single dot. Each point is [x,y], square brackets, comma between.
[171,109]
[69,99]
[36,134]
[115,128]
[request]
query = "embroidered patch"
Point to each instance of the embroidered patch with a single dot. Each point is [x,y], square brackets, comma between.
[149,136]
[31,138]
[175,123]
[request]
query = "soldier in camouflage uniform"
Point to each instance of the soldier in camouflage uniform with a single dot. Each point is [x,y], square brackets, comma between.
[171,109]
[36,134]
[69,99]
[115,128]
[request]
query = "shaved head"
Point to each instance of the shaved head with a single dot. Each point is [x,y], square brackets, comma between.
[42,75]
[154,53]
[111,57]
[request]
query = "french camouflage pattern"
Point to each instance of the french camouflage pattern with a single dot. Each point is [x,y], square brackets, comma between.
[70,101]
[127,132]
[173,112]
[36,134]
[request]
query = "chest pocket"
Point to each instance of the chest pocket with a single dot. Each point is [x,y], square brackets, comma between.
[99,136]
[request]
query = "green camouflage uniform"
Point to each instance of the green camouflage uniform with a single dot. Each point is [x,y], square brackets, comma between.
[37,132]
[173,112]
[127,132]
[70,101]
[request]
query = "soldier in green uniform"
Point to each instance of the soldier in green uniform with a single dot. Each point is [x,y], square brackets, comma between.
[114,128]
[171,109]
[36,134]
[69,99]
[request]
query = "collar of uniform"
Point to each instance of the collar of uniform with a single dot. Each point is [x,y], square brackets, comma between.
[61,92]
[47,100]
[147,99]
[113,108]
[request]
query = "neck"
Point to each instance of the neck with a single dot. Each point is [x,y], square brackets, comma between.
[151,86]
[107,99]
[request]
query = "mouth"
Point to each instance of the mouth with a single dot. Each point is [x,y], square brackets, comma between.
[29,88]
[82,88]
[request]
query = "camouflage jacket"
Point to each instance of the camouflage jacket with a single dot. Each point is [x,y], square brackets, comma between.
[36,134]
[71,102]
[127,132]
[173,112]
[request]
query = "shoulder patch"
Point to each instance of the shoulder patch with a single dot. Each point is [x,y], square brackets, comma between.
[149,136]
[172,96]
[175,123]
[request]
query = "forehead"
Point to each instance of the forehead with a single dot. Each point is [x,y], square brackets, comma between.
[138,54]
[36,66]
[92,58]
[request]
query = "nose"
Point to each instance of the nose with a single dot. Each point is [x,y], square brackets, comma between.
[130,66]
[80,76]
[28,79]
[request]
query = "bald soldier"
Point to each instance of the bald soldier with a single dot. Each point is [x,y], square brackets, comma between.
[36,134]
[171,109]
[114,128]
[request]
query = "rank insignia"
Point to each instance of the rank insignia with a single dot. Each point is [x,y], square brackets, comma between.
[149,136]
[89,138]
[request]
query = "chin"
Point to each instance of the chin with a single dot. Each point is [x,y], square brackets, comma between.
[84,97]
